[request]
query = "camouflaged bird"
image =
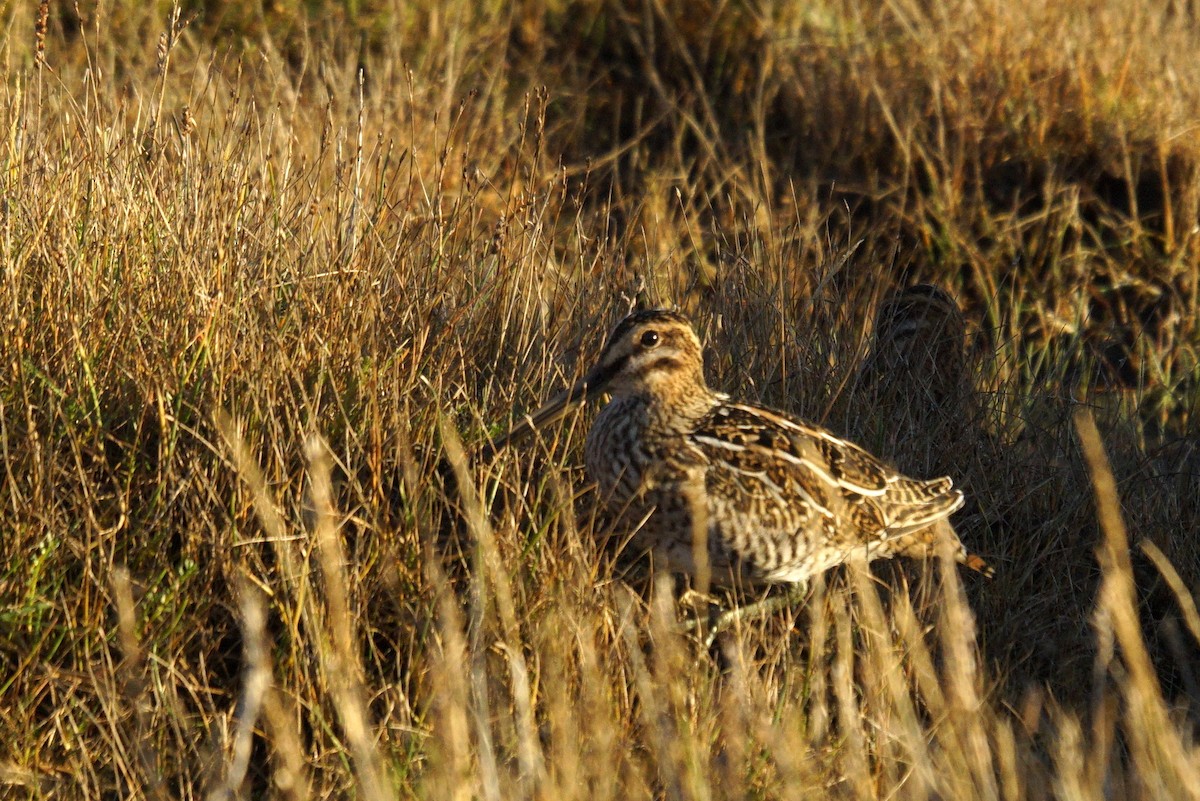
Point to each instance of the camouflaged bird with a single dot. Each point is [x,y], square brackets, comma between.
[916,387]
[738,493]
[918,350]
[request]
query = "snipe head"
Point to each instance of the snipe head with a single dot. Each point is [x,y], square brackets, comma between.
[653,354]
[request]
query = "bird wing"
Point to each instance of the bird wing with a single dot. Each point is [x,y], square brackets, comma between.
[804,472]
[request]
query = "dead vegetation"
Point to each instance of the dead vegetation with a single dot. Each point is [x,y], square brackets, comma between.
[263,269]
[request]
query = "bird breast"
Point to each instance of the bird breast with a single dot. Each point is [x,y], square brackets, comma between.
[615,455]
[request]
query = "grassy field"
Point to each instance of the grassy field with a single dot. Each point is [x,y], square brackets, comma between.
[272,272]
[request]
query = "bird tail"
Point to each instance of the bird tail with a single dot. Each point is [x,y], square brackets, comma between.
[923,523]
[976,563]
[923,503]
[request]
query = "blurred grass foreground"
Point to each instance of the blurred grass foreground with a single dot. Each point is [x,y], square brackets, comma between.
[272,271]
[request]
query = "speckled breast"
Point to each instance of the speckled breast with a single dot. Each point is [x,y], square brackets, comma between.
[614,455]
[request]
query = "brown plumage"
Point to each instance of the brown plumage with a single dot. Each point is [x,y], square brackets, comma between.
[918,350]
[916,387]
[736,492]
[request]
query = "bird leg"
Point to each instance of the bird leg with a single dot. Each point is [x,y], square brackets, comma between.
[719,620]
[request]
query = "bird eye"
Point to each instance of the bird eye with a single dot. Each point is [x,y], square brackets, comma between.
[649,339]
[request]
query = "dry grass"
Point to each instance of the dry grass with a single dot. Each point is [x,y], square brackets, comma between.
[263,271]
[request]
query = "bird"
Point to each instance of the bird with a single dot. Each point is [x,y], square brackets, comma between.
[916,387]
[736,494]
[918,349]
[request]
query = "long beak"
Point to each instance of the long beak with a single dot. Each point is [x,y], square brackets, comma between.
[555,409]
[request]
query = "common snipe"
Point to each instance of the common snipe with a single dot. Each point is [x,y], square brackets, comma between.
[915,384]
[735,492]
[918,348]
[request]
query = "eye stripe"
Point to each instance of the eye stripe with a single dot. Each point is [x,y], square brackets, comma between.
[667,362]
[614,368]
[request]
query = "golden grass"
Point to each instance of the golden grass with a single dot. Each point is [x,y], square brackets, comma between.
[270,277]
